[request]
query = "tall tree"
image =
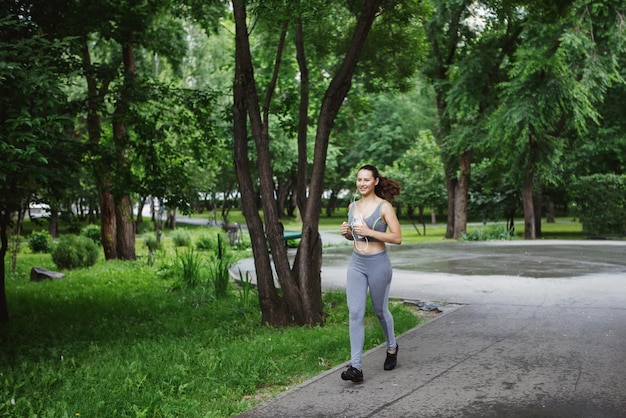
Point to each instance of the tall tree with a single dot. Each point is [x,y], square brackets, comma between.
[111,40]
[301,284]
[37,149]
[471,42]
[568,59]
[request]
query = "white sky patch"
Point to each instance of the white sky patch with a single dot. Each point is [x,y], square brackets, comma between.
[479,17]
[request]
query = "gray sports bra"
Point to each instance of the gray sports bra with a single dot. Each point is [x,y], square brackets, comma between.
[373,221]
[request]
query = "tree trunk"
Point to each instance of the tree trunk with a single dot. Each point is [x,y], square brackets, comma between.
[460,196]
[527,192]
[125,229]
[550,210]
[5,220]
[108,223]
[53,222]
[19,224]
[92,216]
[282,196]
[433,215]
[108,228]
[170,220]
[421,218]
[303,118]
[309,268]
[125,237]
[273,309]
[139,219]
[537,206]
[308,261]
[451,185]
[529,213]
[273,227]
[302,301]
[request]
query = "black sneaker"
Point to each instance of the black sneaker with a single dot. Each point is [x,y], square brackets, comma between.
[353,374]
[392,359]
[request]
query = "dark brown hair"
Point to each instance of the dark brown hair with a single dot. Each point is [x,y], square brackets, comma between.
[386,188]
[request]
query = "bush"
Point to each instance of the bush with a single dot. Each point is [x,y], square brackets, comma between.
[497,232]
[92,232]
[152,243]
[181,239]
[205,243]
[219,268]
[601,200]
[75,251]
[190,268]
[40,242]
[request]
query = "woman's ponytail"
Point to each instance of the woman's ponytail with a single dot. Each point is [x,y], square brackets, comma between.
[387,189]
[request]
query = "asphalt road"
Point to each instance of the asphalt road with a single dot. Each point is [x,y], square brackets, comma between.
[534,329]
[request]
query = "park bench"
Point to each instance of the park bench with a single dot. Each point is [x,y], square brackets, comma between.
[290,236]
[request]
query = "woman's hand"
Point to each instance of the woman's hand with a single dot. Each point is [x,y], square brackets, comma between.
[345,231]
[362,230]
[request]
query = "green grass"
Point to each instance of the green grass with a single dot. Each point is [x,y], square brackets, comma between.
[117,339]
[562,228]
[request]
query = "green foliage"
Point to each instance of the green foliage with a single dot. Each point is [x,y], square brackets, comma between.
[35,149]
[398,33]
[205,268]
[559,76]
[74,251]
[40,242]
[496,232]
[207,273]
[601,200]
[395,123]
[245,283]
[420,173]
[219,266]
[492,197]
[603,148]
[191,273]
[151,242]
[181,238]
[92,232]
[205,243]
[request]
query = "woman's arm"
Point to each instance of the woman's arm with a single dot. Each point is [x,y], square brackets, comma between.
[394,236]
[346,231]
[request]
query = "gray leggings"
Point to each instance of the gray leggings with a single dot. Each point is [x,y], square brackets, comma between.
[373,271]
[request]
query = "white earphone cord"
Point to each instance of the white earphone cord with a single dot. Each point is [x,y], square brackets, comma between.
[355,236]
[364,248]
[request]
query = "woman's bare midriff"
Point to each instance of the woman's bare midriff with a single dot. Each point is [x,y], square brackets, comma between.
[364,247]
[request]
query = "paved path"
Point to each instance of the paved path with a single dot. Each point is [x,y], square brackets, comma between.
[544,337]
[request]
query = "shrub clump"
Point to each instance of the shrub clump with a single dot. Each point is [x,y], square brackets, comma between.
[601,200]
[219,268]
[40,242]
[206,243]
[152,243]
[181,239]
[93,233]
[497,232]
[75,251]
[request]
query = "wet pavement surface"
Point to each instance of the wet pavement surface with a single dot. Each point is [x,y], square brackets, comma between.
[528,329]
[538,259]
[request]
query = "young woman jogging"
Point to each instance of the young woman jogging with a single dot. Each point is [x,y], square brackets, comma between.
[372,223]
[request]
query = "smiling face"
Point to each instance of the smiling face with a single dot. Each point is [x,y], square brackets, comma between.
[366,182]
